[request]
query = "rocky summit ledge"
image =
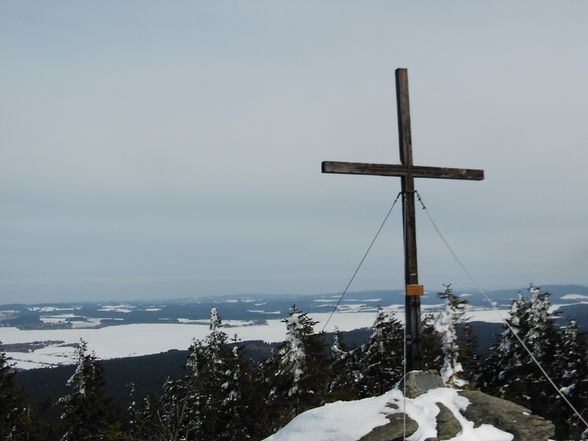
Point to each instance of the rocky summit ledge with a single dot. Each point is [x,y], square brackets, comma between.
[434,412]
[483,409]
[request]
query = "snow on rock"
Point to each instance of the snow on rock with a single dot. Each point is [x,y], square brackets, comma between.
[351,420]
[342,420]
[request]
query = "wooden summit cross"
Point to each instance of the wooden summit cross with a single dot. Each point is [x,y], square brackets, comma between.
[407,172]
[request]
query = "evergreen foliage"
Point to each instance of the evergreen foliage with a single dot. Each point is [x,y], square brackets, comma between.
[296,373]
[147,423]
[452,315]
[208,403]
[11,411]
[572,365]
[381,360]
[344,371]
[84,409]
[431,341]
[468,354]
[173,423]
[134,416]
[510,372]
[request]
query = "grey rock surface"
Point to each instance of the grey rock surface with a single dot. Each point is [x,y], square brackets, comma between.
[506,415]
[483,409]
[419,382]
[393,431]
[447,425]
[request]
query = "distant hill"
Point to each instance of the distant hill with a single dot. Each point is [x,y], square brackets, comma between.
[252,307]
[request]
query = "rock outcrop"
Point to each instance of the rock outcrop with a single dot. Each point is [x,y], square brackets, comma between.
[392,431]
[419,382]
[483,409]
[507,416]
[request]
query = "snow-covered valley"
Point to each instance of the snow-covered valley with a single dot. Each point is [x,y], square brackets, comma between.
[47,335]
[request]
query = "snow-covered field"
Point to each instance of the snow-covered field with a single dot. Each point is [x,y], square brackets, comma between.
[148,338]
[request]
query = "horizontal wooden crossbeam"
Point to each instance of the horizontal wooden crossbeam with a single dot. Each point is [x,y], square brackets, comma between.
[359,168]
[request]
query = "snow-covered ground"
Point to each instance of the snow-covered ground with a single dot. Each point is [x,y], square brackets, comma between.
[142,339]
[350,420]
[575,297]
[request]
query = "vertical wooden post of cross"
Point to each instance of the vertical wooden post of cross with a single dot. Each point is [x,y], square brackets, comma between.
[407,172]
[412,302]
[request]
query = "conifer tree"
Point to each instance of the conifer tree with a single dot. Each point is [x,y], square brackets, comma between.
[431,341]
[133,413]
[10,401]
[234,407]
[207,365]
[141,418]
[381,361]
[543,339]
[172,414]
[148,423]
[510,371]
[297,372]
[501,374]
[344,371]
[215,407]
[572,364]
[84,409]
[468,354]
[446,324]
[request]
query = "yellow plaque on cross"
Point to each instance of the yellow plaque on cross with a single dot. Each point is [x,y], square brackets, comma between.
[415,290]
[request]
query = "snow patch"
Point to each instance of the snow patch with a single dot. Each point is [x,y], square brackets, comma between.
[57,319]
[117,308]
[574,297]
[339,421]
[51,308]
[351,420]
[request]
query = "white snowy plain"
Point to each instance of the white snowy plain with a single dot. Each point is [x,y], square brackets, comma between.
[350,420]
[148,338]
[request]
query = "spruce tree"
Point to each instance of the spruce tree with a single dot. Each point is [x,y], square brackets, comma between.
[234,407]
[510,371]
[543,339]
[84,409]
[468,354]
[446,324]
[142,418]
[502,374]
[11,409]
[297,373]
[148,421]
[572,364]
[344,371]
[381,361]
[215,406]
[431,341]
[133,413]
[172,414]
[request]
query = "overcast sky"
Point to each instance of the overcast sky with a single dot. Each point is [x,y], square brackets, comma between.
[167,149]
